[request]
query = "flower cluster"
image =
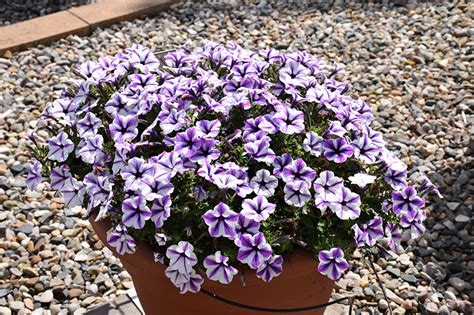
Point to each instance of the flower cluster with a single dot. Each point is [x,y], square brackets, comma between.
[222,157]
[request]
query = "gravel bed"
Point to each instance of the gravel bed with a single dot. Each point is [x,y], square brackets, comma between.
[412,64]
[16,11]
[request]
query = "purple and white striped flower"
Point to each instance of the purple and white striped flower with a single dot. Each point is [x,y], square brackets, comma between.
[279,164]
[218,268]
[375,136]
[264,183]
[176,277]
[246,226]
[121,240]
[206,151]
[160,210]
[386,205]
[89,125]
[345,204]
[92,151]
[348,118]
[332,263]
[118,106]
[143,59]
[257,209]
[143,82]
[328,183]
[155,188]
[294,73]
[396,179]
[320,94]
[124,128]
[374,230]
[62,109]
[394,237]
[167,165]
[298,172]
[161,239]
[337,150]
[87,69]
[182,257]
[271,55]
[193,284]
[313,144]
[289,120]
[187,142]
[225,181]
[365,150]
[270,268]
[174,120]
[427,185]
[105,206]
[252,131]
[335,129]
[414,222]
[137,174]
[120,160]
[321,202]
[253,250]
[210,128]
[260,151]
[60,147]
[221,221]
[391,160]
[98,189]
[297,194]
[159,257]
[266,124]
[135,212]
[360,237]
[73,193]
[243,186]
[406,201]
[34,176]
[236,99]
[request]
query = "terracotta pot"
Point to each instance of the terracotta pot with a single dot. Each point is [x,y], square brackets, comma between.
[299,285]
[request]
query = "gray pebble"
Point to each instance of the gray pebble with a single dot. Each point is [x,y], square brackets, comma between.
[435,272]
[457,283]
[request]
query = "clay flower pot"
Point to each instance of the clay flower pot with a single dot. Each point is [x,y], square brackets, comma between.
[299,285]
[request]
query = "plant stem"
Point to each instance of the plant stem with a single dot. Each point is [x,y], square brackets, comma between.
[380,283]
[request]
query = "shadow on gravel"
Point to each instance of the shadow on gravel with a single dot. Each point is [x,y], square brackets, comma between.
[446,248]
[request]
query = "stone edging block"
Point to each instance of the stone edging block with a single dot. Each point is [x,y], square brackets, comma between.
[79,20]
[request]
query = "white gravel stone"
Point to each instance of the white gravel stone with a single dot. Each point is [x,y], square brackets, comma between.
[46,297]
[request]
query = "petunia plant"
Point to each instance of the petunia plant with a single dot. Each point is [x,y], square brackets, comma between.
[224,159]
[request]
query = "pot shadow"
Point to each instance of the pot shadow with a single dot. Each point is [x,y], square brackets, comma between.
[121,305]
[444,251]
